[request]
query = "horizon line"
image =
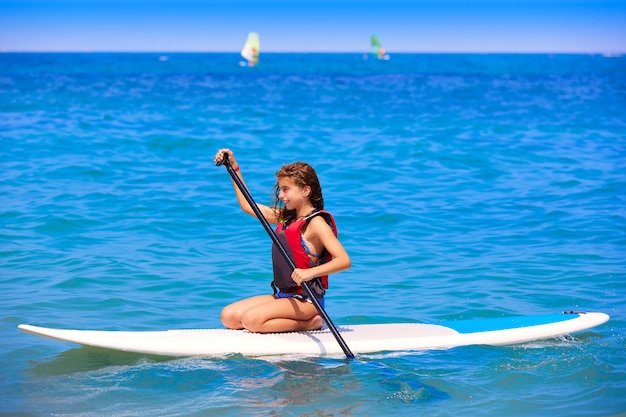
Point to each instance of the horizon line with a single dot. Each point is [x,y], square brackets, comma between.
[604,53]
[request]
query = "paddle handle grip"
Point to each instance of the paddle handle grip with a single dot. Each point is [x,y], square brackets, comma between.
[283,252]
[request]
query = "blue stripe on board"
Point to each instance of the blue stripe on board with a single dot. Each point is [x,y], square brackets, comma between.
[503,323]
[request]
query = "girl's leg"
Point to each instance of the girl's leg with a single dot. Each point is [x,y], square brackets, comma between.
[281,315]
[231,314]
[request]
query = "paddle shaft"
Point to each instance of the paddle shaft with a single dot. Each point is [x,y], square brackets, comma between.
[283,252]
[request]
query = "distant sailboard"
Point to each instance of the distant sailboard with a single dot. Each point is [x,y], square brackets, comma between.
[378,49]
[251,50]
[361,338]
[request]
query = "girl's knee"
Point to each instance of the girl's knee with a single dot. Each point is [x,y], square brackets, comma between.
[251,322]
[230,319]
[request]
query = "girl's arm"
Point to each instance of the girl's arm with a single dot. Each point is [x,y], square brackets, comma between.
[340,262]
[268,212]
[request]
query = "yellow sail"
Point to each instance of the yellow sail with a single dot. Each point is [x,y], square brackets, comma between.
[252,48]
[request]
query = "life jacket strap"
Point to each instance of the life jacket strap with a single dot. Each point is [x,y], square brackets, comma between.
[297,290]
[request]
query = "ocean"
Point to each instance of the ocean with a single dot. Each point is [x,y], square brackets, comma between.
[463,185]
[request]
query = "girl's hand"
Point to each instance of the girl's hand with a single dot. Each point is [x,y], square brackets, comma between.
[219,157]
[302,275]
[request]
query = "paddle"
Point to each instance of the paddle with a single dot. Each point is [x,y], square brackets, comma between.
[283,252]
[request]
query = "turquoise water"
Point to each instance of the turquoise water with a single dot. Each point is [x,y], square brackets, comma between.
[464,186]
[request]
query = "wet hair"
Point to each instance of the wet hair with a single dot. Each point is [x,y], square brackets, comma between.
[302,174]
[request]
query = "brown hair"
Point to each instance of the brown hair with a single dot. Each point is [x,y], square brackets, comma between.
[302,174]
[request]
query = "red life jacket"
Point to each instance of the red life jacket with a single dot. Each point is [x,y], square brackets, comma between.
[289,235]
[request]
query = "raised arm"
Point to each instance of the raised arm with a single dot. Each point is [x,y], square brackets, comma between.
[268,212]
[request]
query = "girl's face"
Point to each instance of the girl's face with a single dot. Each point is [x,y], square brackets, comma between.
[292,195]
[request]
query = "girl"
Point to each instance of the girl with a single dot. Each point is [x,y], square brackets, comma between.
[309,235]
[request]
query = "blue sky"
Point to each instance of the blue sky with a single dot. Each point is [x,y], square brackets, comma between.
[585,26]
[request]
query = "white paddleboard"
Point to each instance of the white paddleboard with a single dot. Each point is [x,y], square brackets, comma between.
[361,338]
